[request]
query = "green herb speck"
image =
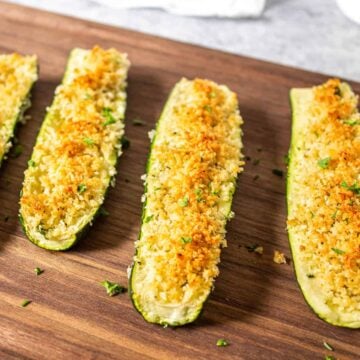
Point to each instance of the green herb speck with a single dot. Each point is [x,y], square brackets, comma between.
[355,188]
[17,151]
[109,118]
[81,188]
[324,163]
[113,289]
[88,141]
[208,108]
[31,163]
[352,122]
[38,271]
[222,343]
[338,251]
[184,201]
[186,240]
[330,357]
[25,303]
[148,218]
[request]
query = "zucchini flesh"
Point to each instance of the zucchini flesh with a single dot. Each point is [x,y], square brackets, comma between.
[74,159]
[17,75]
[323,200]
[191,173]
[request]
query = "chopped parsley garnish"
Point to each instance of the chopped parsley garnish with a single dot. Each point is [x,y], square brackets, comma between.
[31,163]
[324,163]
[310,276]
[352,122]
[186,240]
[81,188]
[333,216]
[148,218]
[327,346]
[330,357]
[113,289]
[184,201]
[25,303]
[222,342]
[125,142]
[17,151]
[109,118]
[338,251]
[355,188]
[198,193]
[103,211]
[88,141]
[208,108]
[138,122]
[278,172]
[213,94]
[256,162]
[38,271]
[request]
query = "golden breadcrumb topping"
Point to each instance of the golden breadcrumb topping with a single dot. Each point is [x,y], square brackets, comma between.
[325,195]
[17,75]
[75,154]
[279,257]
[195,159]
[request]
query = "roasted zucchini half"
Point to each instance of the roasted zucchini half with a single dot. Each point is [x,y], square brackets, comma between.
[191,173]
[17,76]
[74,158]
[323,197]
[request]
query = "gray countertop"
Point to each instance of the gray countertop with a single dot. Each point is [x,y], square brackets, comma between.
[310,34]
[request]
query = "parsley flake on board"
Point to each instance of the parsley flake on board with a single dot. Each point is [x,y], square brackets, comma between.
[38,271]
[113,289]
[25,303]
[222,343]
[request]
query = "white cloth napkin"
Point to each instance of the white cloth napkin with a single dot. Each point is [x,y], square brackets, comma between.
[218,8]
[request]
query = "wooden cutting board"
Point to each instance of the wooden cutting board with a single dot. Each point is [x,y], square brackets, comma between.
[257,305]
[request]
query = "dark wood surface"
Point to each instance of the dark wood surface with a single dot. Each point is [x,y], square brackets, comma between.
[257,305]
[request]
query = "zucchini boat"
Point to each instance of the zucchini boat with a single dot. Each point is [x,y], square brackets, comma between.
[191,173]
[17,75]
[323,189]
[74,158]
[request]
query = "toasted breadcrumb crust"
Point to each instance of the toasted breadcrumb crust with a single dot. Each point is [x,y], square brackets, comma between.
[194,162]
[76,150]
[17,75]
[325,216]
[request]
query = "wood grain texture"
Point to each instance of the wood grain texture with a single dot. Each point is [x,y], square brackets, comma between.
[257,305]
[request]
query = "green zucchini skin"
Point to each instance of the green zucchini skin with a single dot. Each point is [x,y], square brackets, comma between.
[158,319]
[299,98]
[25,105]
[113,156]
